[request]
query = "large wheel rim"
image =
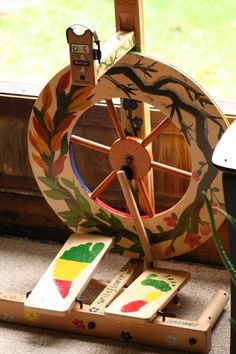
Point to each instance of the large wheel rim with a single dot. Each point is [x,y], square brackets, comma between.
[175,231]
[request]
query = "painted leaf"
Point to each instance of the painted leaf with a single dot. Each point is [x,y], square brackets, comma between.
[71,222]
[66,214]
[66,122]
[40,143]
[40,162]
[89,223]
[77,105]
[202,163]
[116,222]
[74,207]
[56,141]
[160,228]
[55,194]
[38,114]
[63,82]
[63,102]
[103,215]
[68,183]
[48,122]
[83,202]
[172,247]
[174,216]
[34,142]
[82,93]
[47,97]
[215,189]
[64,145]
[42,133]
[51,183]
[71,219]
[58,165]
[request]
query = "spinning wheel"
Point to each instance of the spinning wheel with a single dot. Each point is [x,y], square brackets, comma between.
[139,290]
[172,232]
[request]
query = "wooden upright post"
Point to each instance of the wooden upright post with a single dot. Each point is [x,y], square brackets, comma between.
[129,17]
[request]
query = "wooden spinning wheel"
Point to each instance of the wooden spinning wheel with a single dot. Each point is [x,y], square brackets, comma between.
[177,230]
[139,290]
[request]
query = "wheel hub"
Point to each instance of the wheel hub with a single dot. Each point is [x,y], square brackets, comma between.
[130,153]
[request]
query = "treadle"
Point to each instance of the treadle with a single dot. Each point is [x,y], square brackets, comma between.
[68,274]
[149,293]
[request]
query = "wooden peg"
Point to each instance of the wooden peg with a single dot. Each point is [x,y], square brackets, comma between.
[214,308]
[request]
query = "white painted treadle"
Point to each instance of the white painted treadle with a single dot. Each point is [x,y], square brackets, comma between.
[68,274]
[149,293]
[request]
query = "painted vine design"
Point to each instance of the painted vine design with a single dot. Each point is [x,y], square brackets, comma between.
[50,140]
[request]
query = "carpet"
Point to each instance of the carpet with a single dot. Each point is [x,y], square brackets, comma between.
[23,261]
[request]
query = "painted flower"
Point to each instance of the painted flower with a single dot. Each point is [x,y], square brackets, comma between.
[7,317]
[171,340]
[31,316]
[126,336]
[63,83]
[168,251]
[196,175]
[78,324]
[192,239]
[205,229]
[170,221]
[94,309]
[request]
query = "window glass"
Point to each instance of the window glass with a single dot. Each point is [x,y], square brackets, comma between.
[196,36]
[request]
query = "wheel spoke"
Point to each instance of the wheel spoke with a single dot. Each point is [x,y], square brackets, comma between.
[142,188]
[115,118]
[171,170]
[90,144]
[103,185]
[156,131]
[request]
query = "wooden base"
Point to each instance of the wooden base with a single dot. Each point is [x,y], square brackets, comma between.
[171,333]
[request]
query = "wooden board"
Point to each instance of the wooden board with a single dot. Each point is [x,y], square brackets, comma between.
[173,333]
[68,274]
[149,293]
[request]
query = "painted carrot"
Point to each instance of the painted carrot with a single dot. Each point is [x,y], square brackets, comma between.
[72,262]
